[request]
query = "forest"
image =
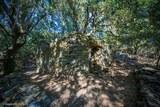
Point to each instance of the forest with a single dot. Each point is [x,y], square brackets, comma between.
[79,53]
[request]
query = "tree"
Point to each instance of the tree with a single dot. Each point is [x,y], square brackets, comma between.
[17,19]
[83,17]
[154,16]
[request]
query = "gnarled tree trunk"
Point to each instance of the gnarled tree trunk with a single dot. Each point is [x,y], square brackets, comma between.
[9,62]
[9,65]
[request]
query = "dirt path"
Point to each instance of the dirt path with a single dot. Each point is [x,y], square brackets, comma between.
[110,90]
[116,89]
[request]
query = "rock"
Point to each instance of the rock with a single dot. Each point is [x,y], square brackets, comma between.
[149,70]
[147,77]
[140,104]
[19,104]
[24,97]
[28,99]
[37,104]
[149,87]
[1,105]
[8,99]
[8,93]
[157,74]
[121,56]
[29,90]
[47,101]
[24,88]
[36,89]
[81,92]
[36,94]
[116,96]
[106,69]
[17,97]
[43,95]
[152,101]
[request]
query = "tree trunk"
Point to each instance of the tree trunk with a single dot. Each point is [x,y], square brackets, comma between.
[9,65]
[9,62]
[90,60]
[135,50]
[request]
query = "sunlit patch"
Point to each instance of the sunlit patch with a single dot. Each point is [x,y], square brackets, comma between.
[81,92]
[42,78]
[97,81]
[82,83]
[35,76]
[120,88]
[65,96]
[45,76]
[110,84]
[89,95]
[106,103]
[91,103]
[58,89]
[30,73]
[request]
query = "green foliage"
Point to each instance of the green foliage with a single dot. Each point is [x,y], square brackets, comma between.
[121,23]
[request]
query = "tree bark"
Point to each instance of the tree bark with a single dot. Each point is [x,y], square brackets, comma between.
[9,65]
[9,62]
[90,60]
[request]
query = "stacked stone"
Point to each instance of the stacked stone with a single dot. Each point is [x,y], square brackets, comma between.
[64,56]
[17,91]
[149,87]
[73,57]
[70,55]
[101,58]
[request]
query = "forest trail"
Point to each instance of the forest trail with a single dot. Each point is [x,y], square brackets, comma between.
[116,89]
[79,53]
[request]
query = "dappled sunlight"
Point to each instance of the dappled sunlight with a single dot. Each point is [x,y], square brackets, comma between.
[30,73]
[64,98]
[35,76]
[79,53]
[57,88]
[45,77]
[91,91]
[79,90]
[40,80]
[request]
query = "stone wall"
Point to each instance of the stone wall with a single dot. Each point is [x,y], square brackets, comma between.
[100,58]
[70,55]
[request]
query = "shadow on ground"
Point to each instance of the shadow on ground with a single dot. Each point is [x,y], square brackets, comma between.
[116,89]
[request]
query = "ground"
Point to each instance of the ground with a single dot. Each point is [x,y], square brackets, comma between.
[116,88]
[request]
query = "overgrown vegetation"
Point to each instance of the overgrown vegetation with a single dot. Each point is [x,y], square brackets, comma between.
[80,53]
[129,25]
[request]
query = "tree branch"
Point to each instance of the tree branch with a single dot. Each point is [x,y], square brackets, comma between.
[30,16]
[10,14]
[31,28]
[87,21]
[5,29]
[103,25]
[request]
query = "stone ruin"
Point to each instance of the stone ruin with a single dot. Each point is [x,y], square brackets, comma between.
[74,54]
